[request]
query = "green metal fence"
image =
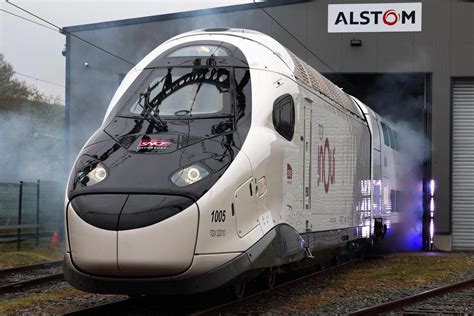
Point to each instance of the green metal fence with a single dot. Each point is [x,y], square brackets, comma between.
[30,210]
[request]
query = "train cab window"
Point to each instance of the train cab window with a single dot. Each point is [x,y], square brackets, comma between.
[284,116]
[386,139]
[199,51]
[184,92]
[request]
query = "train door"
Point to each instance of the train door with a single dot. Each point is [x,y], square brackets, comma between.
[307,158]
[245,206]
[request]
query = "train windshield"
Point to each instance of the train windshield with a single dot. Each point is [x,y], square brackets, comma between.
[183,92]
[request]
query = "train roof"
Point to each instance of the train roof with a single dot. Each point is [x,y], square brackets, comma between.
[277,57]
[298,68]
[318,82]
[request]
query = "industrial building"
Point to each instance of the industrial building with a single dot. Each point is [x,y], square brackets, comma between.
[412,62]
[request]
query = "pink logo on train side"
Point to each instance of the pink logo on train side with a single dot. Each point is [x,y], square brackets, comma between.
[326,165]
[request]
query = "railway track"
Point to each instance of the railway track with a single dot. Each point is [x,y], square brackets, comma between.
[451,299]
[206,304]
[23,277]
[229,305]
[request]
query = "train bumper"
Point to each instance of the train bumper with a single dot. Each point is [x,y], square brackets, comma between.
[153,285]
[160,249]
[281,245]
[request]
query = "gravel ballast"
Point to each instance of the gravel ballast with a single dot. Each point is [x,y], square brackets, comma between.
[370,282]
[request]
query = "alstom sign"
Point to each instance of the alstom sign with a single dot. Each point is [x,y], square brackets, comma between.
[374,17]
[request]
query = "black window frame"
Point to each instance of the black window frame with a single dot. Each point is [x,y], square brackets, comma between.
[286,132]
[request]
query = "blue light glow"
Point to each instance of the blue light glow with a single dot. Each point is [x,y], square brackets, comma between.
[412,229]
[432,208]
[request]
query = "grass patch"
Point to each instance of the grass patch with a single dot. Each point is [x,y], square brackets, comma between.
[9,257]
[44,302]
[394,271]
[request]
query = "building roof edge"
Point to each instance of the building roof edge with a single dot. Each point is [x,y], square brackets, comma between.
[177,15]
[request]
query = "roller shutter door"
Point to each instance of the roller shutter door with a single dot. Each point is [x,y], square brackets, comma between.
[463,164]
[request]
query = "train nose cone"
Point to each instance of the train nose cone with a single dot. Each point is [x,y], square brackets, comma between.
[93,249]
[120,234]
[165,248]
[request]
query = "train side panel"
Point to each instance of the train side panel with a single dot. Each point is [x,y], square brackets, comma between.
[326,181]
[266,149]
[386,187]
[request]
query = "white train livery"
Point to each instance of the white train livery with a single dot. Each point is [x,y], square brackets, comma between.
[223,155]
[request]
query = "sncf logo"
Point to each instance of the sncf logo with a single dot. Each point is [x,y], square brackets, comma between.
[154,144]
[376,17]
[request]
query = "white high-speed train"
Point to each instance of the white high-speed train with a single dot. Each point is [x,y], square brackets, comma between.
[222,154]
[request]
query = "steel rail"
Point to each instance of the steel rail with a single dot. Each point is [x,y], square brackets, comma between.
[31,267]
[403,302]
[328,271]
[13,287]
[98,309]
[121,305]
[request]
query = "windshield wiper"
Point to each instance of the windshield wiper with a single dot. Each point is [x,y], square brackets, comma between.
[150,113]
[195,96]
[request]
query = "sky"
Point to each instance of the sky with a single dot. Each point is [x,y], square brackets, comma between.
[35,51]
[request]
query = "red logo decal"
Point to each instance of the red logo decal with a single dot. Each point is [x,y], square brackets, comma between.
[154,144]
[326,165]
[289,171]
[321,131]
[390,17]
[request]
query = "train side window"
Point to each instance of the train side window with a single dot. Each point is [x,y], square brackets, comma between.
[395,138]
[284,116]
[392,138]
[385,134]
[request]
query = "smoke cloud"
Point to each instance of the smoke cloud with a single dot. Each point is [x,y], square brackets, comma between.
[32,148]
[407,234]
[400,100]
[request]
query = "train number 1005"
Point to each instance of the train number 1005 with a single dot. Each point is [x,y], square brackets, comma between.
[218,216]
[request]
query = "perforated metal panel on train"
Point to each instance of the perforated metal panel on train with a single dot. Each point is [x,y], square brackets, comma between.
[318,82]
[463,164]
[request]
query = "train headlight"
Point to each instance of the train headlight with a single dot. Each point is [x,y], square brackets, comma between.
[189,175]
[93,174]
